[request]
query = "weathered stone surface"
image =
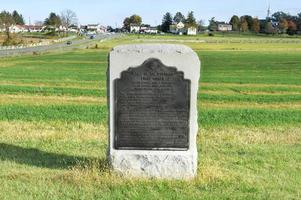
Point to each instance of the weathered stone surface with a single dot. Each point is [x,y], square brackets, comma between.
[161,163]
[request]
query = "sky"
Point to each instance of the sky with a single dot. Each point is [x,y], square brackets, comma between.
[113,12]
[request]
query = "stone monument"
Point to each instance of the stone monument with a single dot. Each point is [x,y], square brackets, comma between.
[152,98]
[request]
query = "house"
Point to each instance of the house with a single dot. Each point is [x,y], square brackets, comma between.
[151,30]
[180,28]
[191,30]
[177,28]
[135,28]
[17,29]
[73,28]
[94,28]
[224,27]
[148,29]
[25,28]
[34,28]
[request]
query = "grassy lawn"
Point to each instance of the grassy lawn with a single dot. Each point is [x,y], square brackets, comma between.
[53,123]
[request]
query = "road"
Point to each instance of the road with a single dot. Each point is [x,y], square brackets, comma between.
[77,43]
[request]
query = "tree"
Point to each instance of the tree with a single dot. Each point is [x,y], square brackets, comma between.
[53,20]
[280,15]
[6,21]
[299,21]
[126,23]
[179,17]
[166,22]
[244,24]
[201,26]
[136,19]
[269,28]
[249,20]
[292,27]
[18,18]
[191,21]
[235,23]
[212,24]
[283,25]
[68,17]
[256,25]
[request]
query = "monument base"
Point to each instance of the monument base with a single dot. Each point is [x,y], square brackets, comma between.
[157,164]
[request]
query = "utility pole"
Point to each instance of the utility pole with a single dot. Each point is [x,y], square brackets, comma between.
[269,11]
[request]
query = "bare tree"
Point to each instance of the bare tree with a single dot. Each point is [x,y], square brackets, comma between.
[68,18]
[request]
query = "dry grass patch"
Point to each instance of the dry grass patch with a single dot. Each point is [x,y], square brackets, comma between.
[247,105]
[245,136]
[14,131]
[231,92]
[43,83]
[253,85]
[47,100]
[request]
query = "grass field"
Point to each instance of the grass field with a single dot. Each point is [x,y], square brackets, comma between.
[53,124]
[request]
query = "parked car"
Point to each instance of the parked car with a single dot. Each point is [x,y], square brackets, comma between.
[69,42]
[92,37]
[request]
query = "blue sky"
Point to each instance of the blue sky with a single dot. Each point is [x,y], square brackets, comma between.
[112,12]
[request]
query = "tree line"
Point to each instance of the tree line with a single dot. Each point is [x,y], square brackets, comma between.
[278,23]
[167,20]
[7,19]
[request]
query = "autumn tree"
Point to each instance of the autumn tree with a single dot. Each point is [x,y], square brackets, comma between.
[235,23]
[134,19]
[6,21]
[292,27]
[283,25]
[179,17]
[18,18]
[256,25]
[166,22]
[249,20]
[244,27]
[269,28]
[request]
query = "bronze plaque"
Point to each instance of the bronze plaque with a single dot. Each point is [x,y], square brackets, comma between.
[152,108]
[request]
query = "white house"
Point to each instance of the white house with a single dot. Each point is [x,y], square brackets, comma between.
[151,30]
[95,28]
[177,28]
[73,28]
[191,30]
[148,29]
[34,28]
[135,28]
[17,29]
[180,28]
[222,26]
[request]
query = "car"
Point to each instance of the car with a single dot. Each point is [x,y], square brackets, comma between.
[92,36]
[69,42]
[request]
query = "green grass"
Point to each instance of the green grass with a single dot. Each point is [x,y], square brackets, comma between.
[54,133]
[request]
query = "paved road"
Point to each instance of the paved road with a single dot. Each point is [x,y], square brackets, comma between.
[82,43]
